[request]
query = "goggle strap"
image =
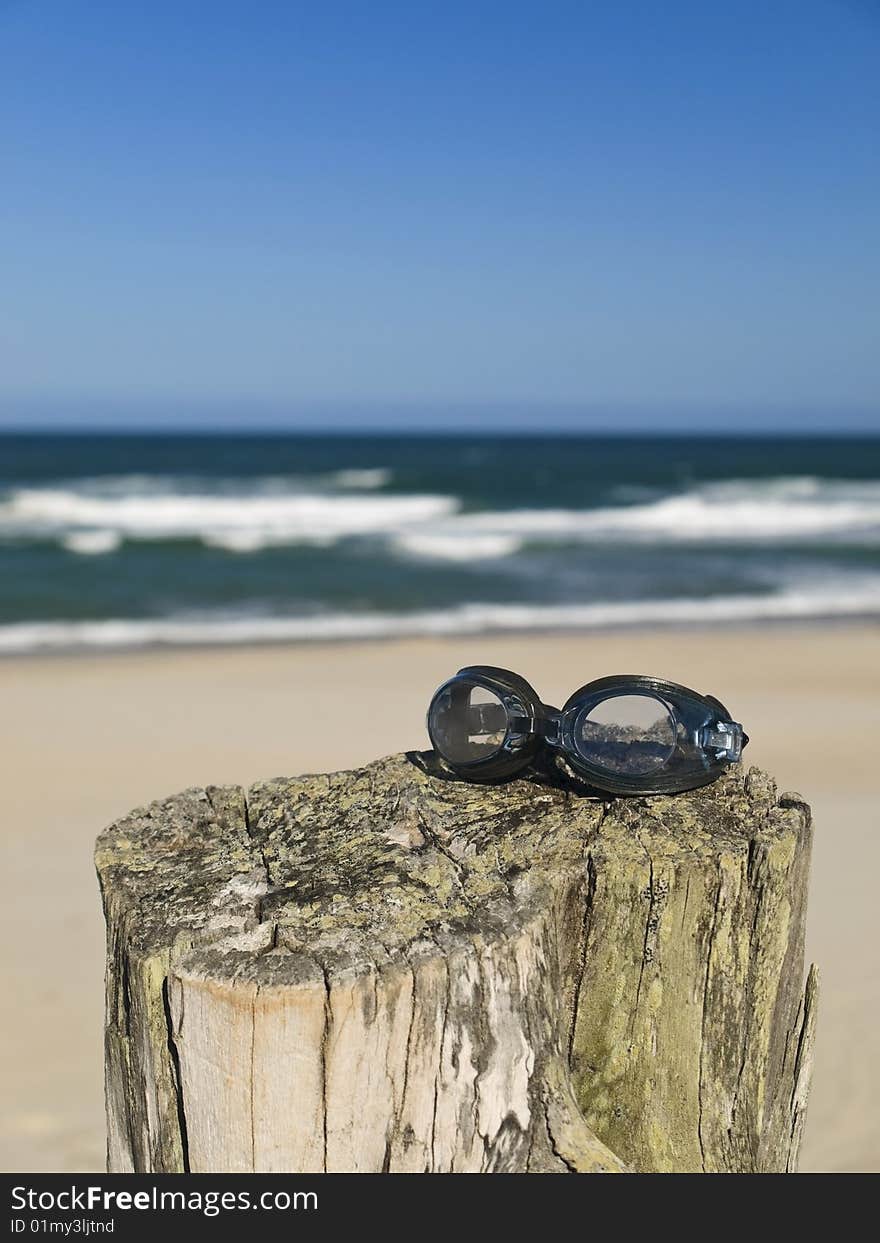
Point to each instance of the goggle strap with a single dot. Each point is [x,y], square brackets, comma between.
[725,738]
[493,718]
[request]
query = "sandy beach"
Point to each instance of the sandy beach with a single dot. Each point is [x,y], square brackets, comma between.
[85,738]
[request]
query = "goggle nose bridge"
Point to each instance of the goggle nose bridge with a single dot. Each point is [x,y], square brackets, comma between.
[550,727]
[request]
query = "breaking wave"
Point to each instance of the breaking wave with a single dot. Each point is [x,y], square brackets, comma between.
[244,516]
[849,597]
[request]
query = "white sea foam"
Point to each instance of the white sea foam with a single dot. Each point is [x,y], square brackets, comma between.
[377,477]
[359,478]
[92,543]
[237,522]
[245,516]
[452,544]
[849,597]
[783,509]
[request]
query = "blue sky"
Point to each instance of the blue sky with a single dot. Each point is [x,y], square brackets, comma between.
[589,214]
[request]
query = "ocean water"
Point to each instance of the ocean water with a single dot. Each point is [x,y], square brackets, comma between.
[110,541]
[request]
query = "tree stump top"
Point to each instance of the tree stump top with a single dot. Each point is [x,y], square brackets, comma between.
[345,868]
[642,959]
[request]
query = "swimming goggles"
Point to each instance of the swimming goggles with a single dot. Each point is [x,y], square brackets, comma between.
[625,734]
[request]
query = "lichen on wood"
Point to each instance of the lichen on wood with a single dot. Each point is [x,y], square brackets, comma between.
[390,969]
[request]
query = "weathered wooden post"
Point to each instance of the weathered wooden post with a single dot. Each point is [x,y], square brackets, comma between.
[390,970]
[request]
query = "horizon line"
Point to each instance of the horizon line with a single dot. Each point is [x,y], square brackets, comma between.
[787,432]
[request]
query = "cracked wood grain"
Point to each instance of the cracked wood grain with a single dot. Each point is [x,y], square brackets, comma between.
[389,970]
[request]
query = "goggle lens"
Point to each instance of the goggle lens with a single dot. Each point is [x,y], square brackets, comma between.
[627,734]
[467,722]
